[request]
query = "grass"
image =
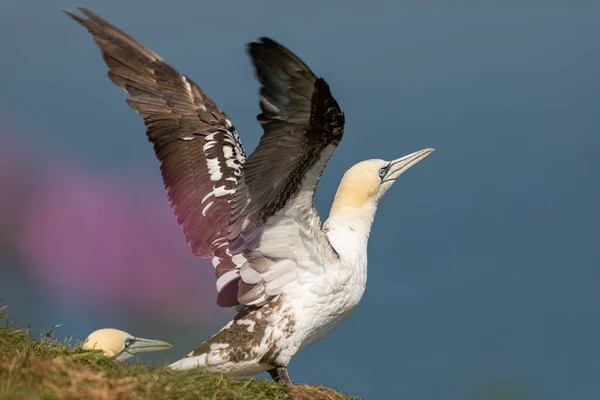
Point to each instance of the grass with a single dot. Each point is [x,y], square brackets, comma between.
[47,368]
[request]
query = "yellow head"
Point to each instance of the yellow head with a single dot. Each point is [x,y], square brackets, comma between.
[365,183]
[122,345]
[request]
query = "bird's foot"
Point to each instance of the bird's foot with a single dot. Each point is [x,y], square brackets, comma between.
[280,375]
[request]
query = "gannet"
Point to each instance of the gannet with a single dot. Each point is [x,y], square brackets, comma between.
[291,278]
[122,345]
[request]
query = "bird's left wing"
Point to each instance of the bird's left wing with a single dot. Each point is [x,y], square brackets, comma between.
[200,154]
[273,221]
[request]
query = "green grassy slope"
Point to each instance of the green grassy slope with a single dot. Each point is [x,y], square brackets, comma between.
[50,369]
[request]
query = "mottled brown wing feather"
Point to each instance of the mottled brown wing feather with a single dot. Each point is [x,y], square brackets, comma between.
[200,154]
[300,118]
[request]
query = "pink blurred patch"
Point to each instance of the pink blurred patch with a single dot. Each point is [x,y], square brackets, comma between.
[98,239]
[13,187]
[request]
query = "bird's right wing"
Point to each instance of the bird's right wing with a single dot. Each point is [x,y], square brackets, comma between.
[200,154]
[273,221]
[224,212]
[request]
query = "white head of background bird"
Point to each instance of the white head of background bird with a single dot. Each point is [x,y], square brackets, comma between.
[365,183]
[122,345]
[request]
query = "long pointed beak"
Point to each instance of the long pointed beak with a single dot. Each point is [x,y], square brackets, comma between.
[400,165]
[141,345]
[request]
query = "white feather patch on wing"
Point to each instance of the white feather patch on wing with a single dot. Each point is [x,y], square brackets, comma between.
[250,323]
[227,278]
[280,268]
[189,362]
[262,299]
[249,275]
[275,286]
[238,259]
[219,346]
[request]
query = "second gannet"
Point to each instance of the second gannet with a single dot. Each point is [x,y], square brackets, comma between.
[121,345]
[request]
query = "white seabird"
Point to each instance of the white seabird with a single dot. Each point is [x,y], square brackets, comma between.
[122,345]
[291,278]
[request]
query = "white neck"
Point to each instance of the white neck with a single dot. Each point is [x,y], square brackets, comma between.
[348,228]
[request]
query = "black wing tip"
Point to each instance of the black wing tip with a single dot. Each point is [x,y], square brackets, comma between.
[268,51]
[268,47]
[254,49]
[264,42]
[268,42]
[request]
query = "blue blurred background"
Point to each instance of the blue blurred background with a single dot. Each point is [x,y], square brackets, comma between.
[484,275]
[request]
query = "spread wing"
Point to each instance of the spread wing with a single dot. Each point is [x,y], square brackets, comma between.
[200,154]
[260,225]
[273,221]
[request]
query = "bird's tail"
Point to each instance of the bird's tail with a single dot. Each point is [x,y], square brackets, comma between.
[189,362]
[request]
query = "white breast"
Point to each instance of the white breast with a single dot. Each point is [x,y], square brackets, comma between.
[321,305]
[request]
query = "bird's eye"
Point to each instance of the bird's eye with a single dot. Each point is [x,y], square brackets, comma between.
[382,172]
[127,342]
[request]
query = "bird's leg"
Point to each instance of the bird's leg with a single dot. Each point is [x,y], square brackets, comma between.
[280,375]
